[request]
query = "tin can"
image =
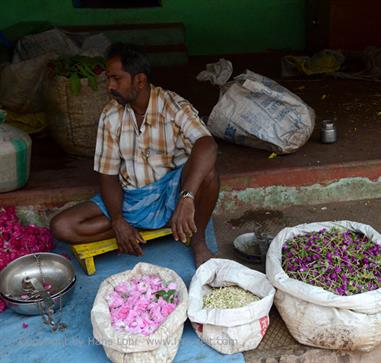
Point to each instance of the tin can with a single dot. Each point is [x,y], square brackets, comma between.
[328,132]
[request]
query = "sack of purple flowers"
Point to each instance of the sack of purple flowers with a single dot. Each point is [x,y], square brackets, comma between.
[328,279]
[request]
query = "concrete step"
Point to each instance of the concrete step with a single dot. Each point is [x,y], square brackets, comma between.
[283,187]
[67,179]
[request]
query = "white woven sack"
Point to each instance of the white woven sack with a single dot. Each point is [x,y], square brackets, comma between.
[21,85]
[15,153]
[230,330]
[50,41]
[320,318]
[258,112]
[159,347]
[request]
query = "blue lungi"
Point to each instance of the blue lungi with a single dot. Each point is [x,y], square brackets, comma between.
[151,206]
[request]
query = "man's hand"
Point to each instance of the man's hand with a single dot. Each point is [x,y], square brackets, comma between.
[182,222]
[127,237]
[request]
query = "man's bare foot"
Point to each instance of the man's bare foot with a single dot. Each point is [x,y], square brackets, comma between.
[201,253]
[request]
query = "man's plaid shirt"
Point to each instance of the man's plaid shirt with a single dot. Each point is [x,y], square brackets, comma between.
[170,128]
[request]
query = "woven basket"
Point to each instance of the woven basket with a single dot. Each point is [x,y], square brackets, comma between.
[73,120]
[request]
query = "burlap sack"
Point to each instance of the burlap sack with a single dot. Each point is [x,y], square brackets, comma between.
[73,119]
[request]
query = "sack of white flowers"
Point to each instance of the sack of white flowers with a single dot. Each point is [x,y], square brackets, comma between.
[138,315]
[328,279]
[229,305]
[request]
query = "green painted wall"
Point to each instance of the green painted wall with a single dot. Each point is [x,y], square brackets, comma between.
[212,26]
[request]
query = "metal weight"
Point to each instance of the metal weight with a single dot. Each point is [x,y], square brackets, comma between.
[328,133]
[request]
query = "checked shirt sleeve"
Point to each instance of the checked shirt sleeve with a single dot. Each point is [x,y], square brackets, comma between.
[107,157]
[191,126]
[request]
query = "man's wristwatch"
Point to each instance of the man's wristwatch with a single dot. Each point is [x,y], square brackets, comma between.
[186,194]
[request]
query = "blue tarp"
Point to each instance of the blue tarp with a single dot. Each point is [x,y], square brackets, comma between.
[36,344]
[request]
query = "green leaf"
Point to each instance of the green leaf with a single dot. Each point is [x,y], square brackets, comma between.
[93,82]
[166,295]
[82,71]
[77,67]
[74,84]
[88,69]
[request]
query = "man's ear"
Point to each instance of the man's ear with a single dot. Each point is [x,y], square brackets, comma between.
[141,80]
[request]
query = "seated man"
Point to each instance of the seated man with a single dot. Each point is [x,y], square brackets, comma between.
[156,160]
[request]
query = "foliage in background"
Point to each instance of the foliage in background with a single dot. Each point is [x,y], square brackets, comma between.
[77,67]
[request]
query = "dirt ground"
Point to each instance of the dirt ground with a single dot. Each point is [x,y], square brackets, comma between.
[228,227]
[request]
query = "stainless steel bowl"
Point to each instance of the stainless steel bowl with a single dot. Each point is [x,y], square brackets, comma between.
[252,248]
[32,308]
[52,269]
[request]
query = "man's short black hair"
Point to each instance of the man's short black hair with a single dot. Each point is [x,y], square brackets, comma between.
[133,58]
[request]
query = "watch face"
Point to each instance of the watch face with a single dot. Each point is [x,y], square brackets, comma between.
[186,194]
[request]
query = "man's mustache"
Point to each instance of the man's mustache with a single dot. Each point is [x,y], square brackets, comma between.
[119,98]
[116,94]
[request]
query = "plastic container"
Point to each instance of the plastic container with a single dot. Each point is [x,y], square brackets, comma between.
[15,151]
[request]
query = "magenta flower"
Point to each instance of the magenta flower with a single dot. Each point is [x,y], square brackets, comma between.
[2,305]
[343,262]
[17,240]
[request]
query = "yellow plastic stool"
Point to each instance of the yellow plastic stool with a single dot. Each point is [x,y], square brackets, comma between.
[85,252]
